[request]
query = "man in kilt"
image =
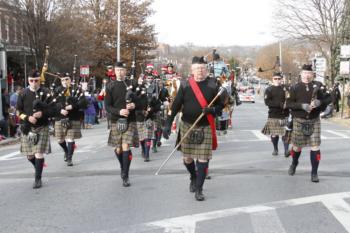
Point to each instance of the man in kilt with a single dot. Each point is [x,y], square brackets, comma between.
[120,104]
[307,99]
[71,103]
[147,106]
[34,111]
[193,97]
[275,99]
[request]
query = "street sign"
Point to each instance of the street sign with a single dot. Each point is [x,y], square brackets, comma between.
[84,71]
[345,51]
[321,64]
[344,68]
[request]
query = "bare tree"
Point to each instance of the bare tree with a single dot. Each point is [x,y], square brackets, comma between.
[317,21]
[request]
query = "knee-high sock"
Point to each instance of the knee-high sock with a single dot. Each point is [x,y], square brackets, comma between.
[274,141]
[39,164]
[120,159]
[315,157]
[295,155]
[147,147]
[32,161]
[70,146]
[64,146]
[201,171]
[285,144]
[127,157]
[191,168]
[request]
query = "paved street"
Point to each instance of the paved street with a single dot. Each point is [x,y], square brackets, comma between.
[250,190]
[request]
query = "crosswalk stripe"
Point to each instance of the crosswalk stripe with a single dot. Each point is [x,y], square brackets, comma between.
[9,156]
[259,135]
[340,210]
[186,224]
[267,221]
[337,133]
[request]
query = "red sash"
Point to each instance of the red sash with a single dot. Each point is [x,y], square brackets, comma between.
[203,103]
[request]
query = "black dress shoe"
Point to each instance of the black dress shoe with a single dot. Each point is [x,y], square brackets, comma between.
[146,160]
[275,152]
[287,153]
[37,184]
[208,177]
[193,185]
[314,178]
[291,170]
[69,163]
[126,182]
[199,195]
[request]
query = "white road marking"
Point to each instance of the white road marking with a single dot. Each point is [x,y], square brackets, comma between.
[187,224]
[338,134]
[267,221]
[10,156]
[259,135]
[340,209]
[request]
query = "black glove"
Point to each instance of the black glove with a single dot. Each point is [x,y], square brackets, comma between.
[167,128]
[210,110]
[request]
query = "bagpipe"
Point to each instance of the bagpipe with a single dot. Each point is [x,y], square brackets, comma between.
[43,101]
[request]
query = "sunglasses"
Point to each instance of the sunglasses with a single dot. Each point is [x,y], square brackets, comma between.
[33,80]
[277,78]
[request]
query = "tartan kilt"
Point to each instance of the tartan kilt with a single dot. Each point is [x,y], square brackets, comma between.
[299,139]
[196,151]
[143,131]
[73,133]
[116,139]
[275,126]
[157,121]
[43,146]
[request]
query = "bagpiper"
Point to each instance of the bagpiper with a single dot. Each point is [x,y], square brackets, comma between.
[193,97]
[71,103]
[120,104]
[275,99]
[307,99]
[35,109]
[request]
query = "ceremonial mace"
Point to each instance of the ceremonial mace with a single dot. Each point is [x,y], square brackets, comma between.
[221,90]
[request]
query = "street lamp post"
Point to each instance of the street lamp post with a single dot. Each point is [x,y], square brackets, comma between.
[118,32]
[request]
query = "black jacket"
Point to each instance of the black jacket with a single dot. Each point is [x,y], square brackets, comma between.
[115,99]
[78,102]
[191,109]
[27,101]
[274,98]
[302,93]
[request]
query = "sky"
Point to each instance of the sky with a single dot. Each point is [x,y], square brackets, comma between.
[214,22]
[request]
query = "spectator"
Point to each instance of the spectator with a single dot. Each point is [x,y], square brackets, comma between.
[90,111]
[347,94]
[5,113]
[336,96]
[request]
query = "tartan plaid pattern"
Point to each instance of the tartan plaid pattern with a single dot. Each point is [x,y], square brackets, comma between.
[196,151]
[143,131]
[72,133]
[43,146]
[116,139]
[275,126]
[299,139]
[157,121]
